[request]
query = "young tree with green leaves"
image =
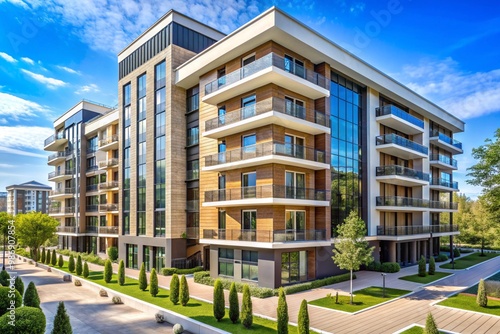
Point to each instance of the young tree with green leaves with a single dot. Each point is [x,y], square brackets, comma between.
[71,264]
[121,273]
[31,296]
[282,312]
[246,314]
[53,259]
[79,265]
[184,293]
[303,325]
[483,223]
[153,283]
[33,229]
[62,325]
[351,249]
[234,307]
[143,279]
[218,302]
[174,289]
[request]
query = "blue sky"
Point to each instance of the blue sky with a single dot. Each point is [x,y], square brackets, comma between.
[54,53]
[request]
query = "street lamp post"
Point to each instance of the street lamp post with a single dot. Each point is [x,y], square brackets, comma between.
[383,284]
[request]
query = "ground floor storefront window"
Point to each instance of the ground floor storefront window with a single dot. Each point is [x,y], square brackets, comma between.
[293,267]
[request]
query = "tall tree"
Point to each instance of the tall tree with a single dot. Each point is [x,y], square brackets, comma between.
[483,225]
[34,228]
[5,220]
[351,249]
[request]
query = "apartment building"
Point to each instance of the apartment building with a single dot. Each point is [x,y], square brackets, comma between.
[3,201]
[85,176]
[27,197]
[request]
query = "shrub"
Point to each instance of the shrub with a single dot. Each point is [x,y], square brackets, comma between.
[316,284]
[53,259]
[4,278]
[390,267]
[374,266]
[85,269]
[246,308]
[108,271]
[303,325]
[432,266]
[71,264]
[174,289]
[178,329]
[184,294]
[282,312]
[441,257]
[5,299]
[153,284]
[219,305]
[60,261]
[421,267]
[42,258]
[62,324]
[116,300]
[79,266]
[47,257]
[113,253]
[234,307]
[143,279]
[31,296]
[18,283]
[430,325]
[22,252]
[456,252]
[28,320]
[171,271]
[481,298]
[492,288]
[121,273]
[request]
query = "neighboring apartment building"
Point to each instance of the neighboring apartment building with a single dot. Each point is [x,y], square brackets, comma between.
[27,197]
[3,201]
[85,195]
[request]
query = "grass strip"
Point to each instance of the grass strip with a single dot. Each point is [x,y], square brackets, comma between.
[466,302]
[425,280]
[469,260]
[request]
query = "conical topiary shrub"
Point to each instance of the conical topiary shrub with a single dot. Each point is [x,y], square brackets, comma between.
[53,259]
[421,267]
[282,312]
[303,325]
[42,253]
[18,283]
[482,297]
[47,257]
[108,271]
[143,279]
[31,296]
[121,273]
[246,314]
[153,284]
[60,261]
[219,304]
[430,325]
[71,264]
[62,325]
[174,289]
[234,307]
[432,266]
[85,269]
[184,293]
[79,265]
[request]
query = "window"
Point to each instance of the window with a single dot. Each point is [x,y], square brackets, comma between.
[159,255]
[222,187]
[295,184]
[126,95]
[193,169]
[226,262]
[160,148]
[294,66]
[246,70]
[192,101]
[248,106]
[294,146]
[249,266]
[141,86]
[249,220]
[222,220]
[295,225]
[145,257]
[160,124]
[221,148]
[295,108]
[141,131]
[160,100]
[160,171]
[141,153]
[293,267]
[248,144]
[160,75]
[159,223]
[249,183]
[131,256]
[221,77]
[160,196]
[192,136]
[222,115]
[141,108]
[126,136]
[141,223]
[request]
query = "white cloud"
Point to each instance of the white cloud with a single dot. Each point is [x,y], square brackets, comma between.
[464,94]
[91,88]
[69,70]
[28,60]
[3,121]
[24,137]
[8,57]
[50,82]
[6,165]
[21,152]
[17,108]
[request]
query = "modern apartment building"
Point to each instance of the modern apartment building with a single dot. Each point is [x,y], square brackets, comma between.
[3,201]
[85,160]
[27,197]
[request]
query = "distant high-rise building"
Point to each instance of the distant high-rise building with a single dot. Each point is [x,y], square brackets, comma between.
[3,201]
[27,197]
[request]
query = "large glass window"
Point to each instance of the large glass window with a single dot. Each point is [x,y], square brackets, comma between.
[160,75]
[249,265]
[248,106]
[159,257]
[249,183]
[192,136]
[249,220]
[160,100]
[295,185]
[141,223]
[248,144]
[159,223]
[294,146]
[293,267]
[132,256]
[145,258]
[226,262]
[141,86]
[192,102]
[295,225]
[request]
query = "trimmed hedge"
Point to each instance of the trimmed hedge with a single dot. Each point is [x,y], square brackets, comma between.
[91,258]
[386,267]
[171,271]
[5,299]
[441,257]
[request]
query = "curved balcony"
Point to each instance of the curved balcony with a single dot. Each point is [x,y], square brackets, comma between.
[408,204]
[110,163]
[447,143]
[270,68]
[109,143]
[401,147]
[443,185]
[265,195]
[402,176]
[399,119]
[442,162]
[266,153]
[63,193]
[62,211]
[56,158]
[269,111]
[60,175]
[55,142]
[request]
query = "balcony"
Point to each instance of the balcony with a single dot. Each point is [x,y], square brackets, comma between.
[109,143]
[269,69]
[111,207]
[62,211]
[60,175]
[443,185]
[398,146]
[109,186]
[62,193]
[265,195]
[110,163]
[443,141]
[92,170]
[416,230]
[92,188]
[402,176]
[56,158]
[55,210]
[92,208]
[192,232]
[193,206]
[399,119]
[274,239]
[108,230]
[266,153]
[66,230]
[91,229]
[408,204]
[269,111]
[193,174]
[442,162]
[55,142]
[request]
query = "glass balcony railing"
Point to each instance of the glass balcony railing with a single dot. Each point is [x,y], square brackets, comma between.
[108,229]
[268,60]
[402,171]
[92,187]
[393,110]
[193,206]
[108,163]
[444,159]
[108,185]
[109,140]
[60,173]
[412,230]
[193,174]
[265,149]
[266,191]
[108,207]
[446,139]
[54,156]
[63,191]
[66,229]
[271,104]
[91,229]
[265,235]
[444,183]
[392,138]
[192,140]
[53,138]
[414,203]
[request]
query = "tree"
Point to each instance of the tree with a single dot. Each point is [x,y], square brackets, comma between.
[19,284]
[234,307]
[60,261]
[85,269]
[219,304]
[430,325]
[7,297]
[108,271]
[303,325]
[352,250]
[42,259]
[33,229]
[432,265]
[121,273]
[483,223]
[47,257]
[53,260]
[62,325]
[282,312]
[31,296]
[421,267]
[482,297]
[153,284]
[246,308]
[113,253]
[184,294]
[4,278]
[174,289]
[143,279]
[79,266]
[5,224]
[71,264]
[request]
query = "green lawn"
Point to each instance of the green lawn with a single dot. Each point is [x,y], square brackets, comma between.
[362,299]
[414,330]
[466,302]
[469,260]
[425,280]
[197,310]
